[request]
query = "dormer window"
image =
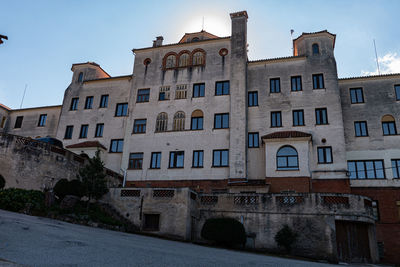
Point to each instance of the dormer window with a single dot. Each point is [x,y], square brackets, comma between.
[315,49]
[80,77]
[195,39]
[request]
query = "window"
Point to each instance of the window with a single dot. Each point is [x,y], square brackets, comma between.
[84,131]
[360,128]
[162,122]
[298,117]
[222,88]
[18,122]
[151,222]
[121,110]
[80,77]
[318,81]
[99,130]
[198,159]
[388,125]
[197,120]
[164,93]
[68,132]
[42,120]
[176,159]
[139,126]
[184,59]
[296,83]
[89,102]
[198,58]
[253,140]
[198,90]
[362,169]
[179,121]
[276,119]
[170,62]
[135,161]
[221,121]
[104,101]
[397,90]
[315,49]
[181,91]
[356,95]
[3,121]
[275,85]
[321,116]
[155,162]
[117,145]
[221,158]
[396,168]
[252,99]
[287,158]
[143,95]
[74,103]
[324,155]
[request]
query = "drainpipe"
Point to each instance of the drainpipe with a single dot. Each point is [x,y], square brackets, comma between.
[124,181]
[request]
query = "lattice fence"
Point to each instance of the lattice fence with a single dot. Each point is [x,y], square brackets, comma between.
[130,193]
[163,193]
[209,200]
[336,200]
[289,200]
[245,200]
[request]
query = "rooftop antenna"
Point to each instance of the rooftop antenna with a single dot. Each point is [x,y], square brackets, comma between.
[202,25]
[291,36]
[377,61]
[22,101]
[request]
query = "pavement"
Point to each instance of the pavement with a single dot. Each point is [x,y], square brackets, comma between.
[36,241]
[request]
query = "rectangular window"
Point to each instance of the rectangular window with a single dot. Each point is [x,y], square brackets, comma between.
[253,140]
[116,145]
[135,161]
[151,222]
[356,95]
[221,121]
[155,162]
[121,110]
[397,91]
[164,93]
[221,158]
[318,81]
[139,126]
[68,132]
[324,155]
[252,99]
[89,102]
[143,95]
[176,159]
[3,122]
[396,168]
[42,120]
[275,85]
[104,101]
[181,91]
[18,121]
[321,116]
[198,159]
[366,169]
[196,123]
[198,90]
[298,117]
[99,130]
[74,103]
[360,128]
[296,83]
[276,119]
[389,128]
[84,131]
[222,88]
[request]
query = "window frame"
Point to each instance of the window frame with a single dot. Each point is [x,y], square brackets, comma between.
[103,101]
[123,109]
[397,91]
[356,93]
[173,159]
[119,145]
[89,102]
[42,122]
[294,86]
[199,159]
[74,103]
[318,113]
[139,127]
[69,130]
[274,119]
[287,167]
[199,90]
[156,159]
[319,83]
[360,127]
[274,81]
[196,120]
[224,90]
[325,150]
[253,136]
[253,96]
[83,133]
[388,128]
[135,163]
[298,111]
[18,122]
[315,49]
[396,163]
[365,170]
[143,95]
[220,152]
[99,127]
[222,115]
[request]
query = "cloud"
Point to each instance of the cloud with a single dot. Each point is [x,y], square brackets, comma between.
[389,63]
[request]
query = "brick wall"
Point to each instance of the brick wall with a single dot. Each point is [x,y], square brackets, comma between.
[279,184]
[331,186]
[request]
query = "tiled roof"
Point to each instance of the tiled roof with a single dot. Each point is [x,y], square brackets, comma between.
[5,107]
[311,33]
[286,134]
[276,58]
[166,45]
[87,144]
[370,76]
[109,78]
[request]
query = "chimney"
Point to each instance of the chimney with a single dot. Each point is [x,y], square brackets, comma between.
[158,41]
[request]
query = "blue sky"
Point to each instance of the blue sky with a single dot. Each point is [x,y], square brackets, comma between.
[47,37]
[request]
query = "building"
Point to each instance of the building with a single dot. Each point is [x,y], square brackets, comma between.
[199,114]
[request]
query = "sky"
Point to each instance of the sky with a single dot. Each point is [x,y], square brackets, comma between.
[46,37]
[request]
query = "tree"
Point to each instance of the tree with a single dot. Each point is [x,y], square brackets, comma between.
[93,178]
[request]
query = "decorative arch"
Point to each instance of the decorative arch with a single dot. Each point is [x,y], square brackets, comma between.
[179,121]
[197,120]
[197,113]
[287,158]
[184,58]
[388,125]
[198,57]
[388,118]
[315,49]
[162,122]
[169,60]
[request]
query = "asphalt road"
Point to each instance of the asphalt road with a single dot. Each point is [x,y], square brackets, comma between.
[36,241]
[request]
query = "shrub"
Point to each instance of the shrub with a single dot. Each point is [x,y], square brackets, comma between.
[224,231]
[14,199]
[2,182]
[61,188]
[286,237]
[64,187]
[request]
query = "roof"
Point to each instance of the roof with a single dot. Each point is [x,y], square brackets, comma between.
[286,134]
[201,35]
[305,34]
[87,144]
[5,107]
[369,76]
[89,63]
[277,59]
[110,78]
[44,107]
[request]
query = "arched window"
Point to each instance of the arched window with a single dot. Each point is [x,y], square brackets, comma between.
[162,122]
[179,121]
[80,77]
[198,58]
[184,60]
[287,158]
[170,62]
[388,125]
[197,120]
[195,39]
[315,49]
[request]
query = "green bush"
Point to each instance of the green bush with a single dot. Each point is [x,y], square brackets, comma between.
[2,182]
[14,199]
[64,187]
[224,231]
[286,237]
